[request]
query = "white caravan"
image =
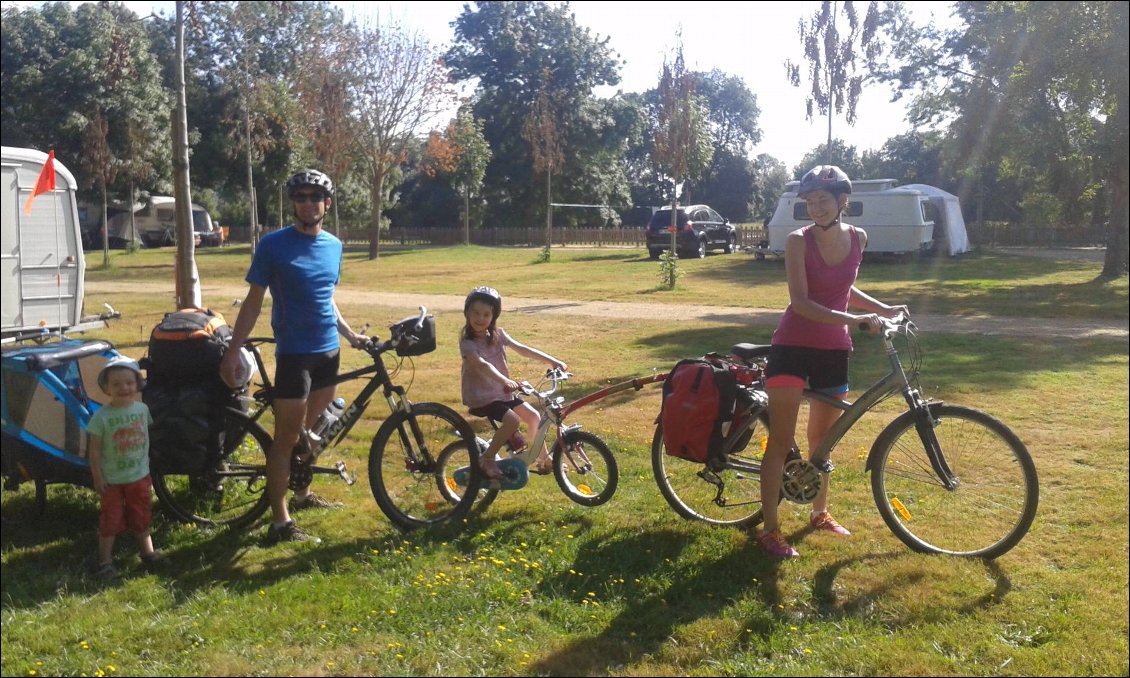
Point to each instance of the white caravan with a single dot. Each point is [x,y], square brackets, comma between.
[155,223]
[41,258]
[897,220]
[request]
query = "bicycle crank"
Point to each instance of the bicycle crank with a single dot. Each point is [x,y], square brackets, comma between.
[801,481]
[515,475]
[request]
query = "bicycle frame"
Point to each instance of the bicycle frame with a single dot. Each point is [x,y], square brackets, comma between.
[394,395]
[895,381]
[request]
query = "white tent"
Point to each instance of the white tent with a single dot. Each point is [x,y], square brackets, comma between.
[949,213]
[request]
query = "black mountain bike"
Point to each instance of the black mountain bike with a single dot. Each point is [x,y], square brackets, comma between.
[403,474]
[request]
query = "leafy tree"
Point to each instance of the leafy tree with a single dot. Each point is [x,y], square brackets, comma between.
[910,158]
[839,154]
[85,83]
[1035,95]
[682,144]
[772,176]
[515,50]
[833,58]
[461,153]
[401,84]
[542,131]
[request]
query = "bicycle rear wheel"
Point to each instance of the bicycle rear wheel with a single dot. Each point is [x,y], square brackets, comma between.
[451,460]
[404,472]
[231,491]
[997,492]
[584,468]
[731,496]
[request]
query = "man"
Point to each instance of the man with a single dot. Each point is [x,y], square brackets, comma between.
[301,266]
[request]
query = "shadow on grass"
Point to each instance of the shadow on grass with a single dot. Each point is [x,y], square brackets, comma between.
[950,362]
[650,619]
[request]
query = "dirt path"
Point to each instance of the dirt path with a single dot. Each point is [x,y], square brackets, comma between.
[221,297]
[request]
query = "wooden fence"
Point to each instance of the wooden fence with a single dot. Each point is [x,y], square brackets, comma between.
[988,234]
[529,237]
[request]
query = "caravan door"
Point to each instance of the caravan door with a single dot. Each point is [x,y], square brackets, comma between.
[41,260]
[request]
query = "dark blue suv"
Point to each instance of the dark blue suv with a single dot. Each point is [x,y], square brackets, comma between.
[699,228]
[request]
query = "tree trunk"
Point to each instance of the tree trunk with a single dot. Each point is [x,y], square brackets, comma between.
[1118,228]
[548,206]
[466,217]
[105,231]
[375,227]
[187,277]
[253,223]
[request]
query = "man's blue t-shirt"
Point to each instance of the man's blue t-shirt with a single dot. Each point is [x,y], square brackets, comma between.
[301,272]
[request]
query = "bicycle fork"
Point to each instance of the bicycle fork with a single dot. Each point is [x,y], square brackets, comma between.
[924,424]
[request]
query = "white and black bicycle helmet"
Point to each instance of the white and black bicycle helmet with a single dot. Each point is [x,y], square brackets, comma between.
[825,178]
[310,177]
[488,295]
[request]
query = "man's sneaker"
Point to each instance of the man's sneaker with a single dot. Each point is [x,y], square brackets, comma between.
[775,545]
[312,501]
[824,521]
[288,531]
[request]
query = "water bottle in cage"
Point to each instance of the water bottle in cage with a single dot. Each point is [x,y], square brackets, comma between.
[329,416]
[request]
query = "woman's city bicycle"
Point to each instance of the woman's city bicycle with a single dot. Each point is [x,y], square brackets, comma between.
[945,478]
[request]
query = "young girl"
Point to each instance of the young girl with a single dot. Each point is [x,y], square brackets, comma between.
[488,389]
[119,463]
[812,343]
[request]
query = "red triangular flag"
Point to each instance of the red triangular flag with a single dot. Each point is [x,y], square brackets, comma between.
[45,182]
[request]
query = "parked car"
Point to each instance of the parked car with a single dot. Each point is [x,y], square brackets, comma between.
[699,229]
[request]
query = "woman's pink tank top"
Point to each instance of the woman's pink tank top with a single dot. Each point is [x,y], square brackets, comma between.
[829,286]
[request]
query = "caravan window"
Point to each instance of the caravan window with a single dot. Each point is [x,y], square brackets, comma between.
[800,210]
[929,211]
[166,215]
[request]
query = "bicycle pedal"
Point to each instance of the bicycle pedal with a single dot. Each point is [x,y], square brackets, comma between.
[345,475]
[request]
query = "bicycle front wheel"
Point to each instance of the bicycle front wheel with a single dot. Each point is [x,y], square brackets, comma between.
[993,504]
[730,496]
[584,468]
[404,471]
[231,491]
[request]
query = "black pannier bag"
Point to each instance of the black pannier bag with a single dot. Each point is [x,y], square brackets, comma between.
[187,346]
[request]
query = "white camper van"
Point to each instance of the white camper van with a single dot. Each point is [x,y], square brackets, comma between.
[897,221]
[155,223]
[41,258]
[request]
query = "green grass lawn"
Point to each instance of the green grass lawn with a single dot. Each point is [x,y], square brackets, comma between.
[539,586]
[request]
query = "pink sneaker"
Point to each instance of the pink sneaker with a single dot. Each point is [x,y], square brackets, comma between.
[775,545]
[824,521]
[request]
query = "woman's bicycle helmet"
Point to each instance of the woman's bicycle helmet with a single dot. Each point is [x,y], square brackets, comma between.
[488,295]
[825,178]
[310,177]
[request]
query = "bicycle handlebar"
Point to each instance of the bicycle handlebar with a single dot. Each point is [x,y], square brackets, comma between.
[890,325]
[555,375]
[375,347]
